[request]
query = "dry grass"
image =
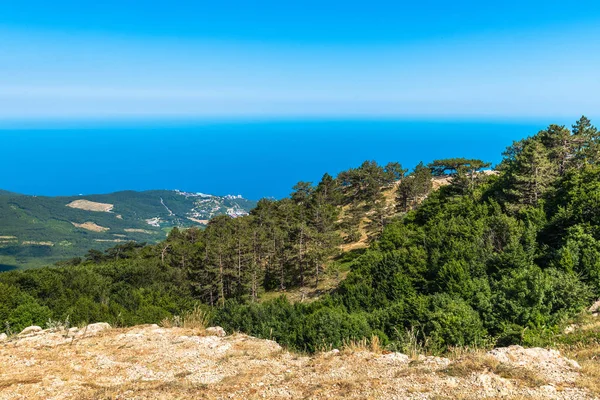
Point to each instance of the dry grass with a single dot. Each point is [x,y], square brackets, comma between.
[372,345]
[132,230]
[582,352]
[171,390]
[327,283]
[241,379]
[146,362]
[197,318]
[583,345]
[340,388]
[412,346]
[473,362]
[520,374]
[36,243]
[588,356]
[91,226]
[479,361]
[91,206]
[6,383]
[590,376]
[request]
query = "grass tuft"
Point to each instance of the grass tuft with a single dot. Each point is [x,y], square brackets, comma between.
[196,318]
[372,345]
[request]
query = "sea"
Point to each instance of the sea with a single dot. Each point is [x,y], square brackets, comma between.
[253,158]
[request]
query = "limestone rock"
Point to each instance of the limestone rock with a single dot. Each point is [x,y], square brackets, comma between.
[331,353]
[216,331]
[3,337]
[395,358]
[595,307]
[31,330]
[571,328]
[548,388]
[493,385]
[547,363]
[147,362]
[94,329]
[435,363]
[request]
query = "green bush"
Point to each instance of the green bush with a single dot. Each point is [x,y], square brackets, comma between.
[27,313]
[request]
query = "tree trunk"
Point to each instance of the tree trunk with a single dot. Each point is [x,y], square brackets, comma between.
[300,257]
[239,261]
[221,283]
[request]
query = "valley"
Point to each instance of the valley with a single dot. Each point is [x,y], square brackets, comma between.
[38,230]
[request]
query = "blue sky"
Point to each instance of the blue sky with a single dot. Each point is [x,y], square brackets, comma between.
[181,59]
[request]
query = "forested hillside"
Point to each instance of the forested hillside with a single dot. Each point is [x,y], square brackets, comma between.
[39,230]
[491,257]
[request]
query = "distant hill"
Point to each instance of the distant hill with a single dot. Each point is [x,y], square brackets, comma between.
[6,193]
[39,230]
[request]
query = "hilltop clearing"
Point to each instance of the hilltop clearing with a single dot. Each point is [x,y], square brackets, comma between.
[152,362]
[90,226]
[91,206]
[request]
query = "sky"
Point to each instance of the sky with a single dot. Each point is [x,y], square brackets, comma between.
[270,59]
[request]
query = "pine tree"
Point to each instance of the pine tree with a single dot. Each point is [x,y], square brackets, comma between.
[219,241]
[378,218]
[393,172]
[329,188]
[365,182]
[414,187]
[302,192]
[464,171]
[532,174]
[587,142]
[561,147]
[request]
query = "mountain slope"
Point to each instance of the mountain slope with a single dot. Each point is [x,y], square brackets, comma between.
[38,230]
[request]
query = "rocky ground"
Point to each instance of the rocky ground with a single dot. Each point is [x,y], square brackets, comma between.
[98,362]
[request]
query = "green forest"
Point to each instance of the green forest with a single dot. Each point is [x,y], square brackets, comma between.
[492,257]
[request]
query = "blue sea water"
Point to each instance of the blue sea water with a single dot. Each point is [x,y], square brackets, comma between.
[253,158]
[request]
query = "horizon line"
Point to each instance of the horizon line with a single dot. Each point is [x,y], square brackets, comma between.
[90,122]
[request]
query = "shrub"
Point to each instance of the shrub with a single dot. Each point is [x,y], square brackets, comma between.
[27,314]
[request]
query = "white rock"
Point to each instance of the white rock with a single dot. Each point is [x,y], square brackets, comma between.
[595,307]
[30,330]
[331,353]
[547,363]
[548,388]
[491,383]
[396,358]
[484,380]
[94,329]
[574,364]
[216,331]
[434,362]
[3,337]
[452,382]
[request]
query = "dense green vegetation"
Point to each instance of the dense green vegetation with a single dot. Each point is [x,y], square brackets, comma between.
[499,258]
[281,244]
[38,230]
